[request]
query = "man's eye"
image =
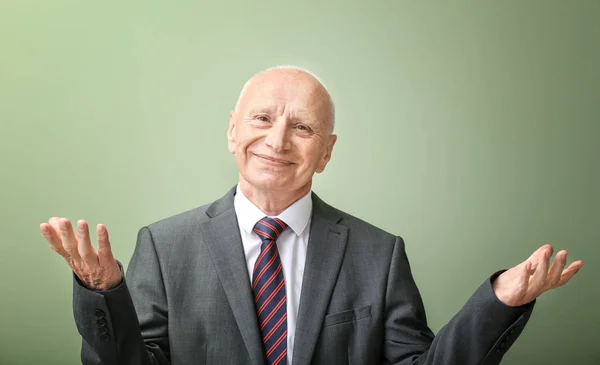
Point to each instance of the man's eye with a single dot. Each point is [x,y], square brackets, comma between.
[262,118]
[302,127]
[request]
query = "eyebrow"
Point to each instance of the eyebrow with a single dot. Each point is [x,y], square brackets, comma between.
[295,117]
[258,110]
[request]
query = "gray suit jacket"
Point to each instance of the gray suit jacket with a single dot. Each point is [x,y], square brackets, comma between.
[187,300]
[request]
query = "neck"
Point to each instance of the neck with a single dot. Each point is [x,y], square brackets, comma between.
[272,202]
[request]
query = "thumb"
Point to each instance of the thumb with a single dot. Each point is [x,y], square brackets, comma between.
[527,271]
[104,250]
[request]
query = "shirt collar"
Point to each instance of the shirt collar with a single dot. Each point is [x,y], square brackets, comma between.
[296,216]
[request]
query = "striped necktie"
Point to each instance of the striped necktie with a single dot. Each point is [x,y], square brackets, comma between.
[268,287]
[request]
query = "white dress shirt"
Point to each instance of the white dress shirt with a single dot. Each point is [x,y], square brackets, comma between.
[292,244]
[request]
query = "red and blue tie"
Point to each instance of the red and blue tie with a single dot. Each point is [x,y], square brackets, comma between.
[268,286]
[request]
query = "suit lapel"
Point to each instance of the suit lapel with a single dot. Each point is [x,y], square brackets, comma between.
[222,237]
[325,251]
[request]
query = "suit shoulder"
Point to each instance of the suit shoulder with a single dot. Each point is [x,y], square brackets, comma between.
[190,219]
[362,229]
[181,220]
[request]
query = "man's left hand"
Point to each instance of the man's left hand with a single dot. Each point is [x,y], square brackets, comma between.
[528,280]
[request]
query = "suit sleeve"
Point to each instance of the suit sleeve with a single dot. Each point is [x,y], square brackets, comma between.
[480,333]
[113,330]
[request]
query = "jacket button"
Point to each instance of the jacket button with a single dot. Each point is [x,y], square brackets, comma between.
[105,337]
[101,322]
[103,330]
[99,313]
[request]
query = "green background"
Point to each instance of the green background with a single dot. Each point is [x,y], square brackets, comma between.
[471,129]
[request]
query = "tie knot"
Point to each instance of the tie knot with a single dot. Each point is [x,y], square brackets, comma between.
[269,228]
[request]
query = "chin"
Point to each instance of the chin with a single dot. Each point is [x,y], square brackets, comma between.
[271,182]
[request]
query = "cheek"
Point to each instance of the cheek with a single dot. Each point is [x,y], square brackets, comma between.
[247,138]
[311,156]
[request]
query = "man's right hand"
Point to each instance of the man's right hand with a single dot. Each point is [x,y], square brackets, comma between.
[97,270]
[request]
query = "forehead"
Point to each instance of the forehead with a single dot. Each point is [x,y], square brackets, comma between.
[295,91]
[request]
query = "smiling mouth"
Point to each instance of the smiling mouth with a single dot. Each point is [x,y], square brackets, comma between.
[274,161]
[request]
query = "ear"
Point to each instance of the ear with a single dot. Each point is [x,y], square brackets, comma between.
[327,156]
[231,143]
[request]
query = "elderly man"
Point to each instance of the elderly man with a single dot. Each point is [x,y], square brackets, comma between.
[271,274]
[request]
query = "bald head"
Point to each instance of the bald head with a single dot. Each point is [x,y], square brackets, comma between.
[282,77]
[281,133]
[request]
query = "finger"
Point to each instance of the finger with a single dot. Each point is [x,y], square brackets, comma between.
[105,255]
[86,250]
[541,272]
[54,223]
[535,257]
[569,272]
[69,242]
[556,269]
[53,240]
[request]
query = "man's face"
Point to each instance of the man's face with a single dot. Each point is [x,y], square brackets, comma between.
[281,131]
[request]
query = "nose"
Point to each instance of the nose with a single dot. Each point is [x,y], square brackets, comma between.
[278,137]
